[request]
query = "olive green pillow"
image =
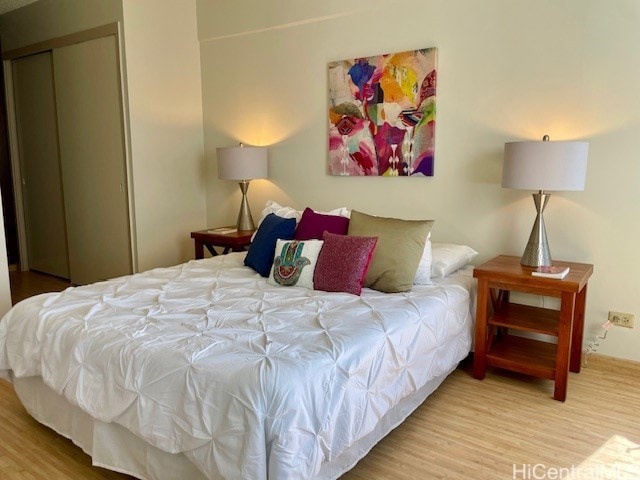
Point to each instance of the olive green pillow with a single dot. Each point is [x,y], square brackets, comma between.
[398,252]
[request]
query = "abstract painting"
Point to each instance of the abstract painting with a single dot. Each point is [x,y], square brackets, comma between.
[382,114]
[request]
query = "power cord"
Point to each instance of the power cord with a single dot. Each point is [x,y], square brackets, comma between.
[593,345]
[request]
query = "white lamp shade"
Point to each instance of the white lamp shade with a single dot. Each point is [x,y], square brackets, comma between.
[545,165]
[242,163]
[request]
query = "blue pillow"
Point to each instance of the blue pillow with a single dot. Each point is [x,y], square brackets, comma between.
[263,247]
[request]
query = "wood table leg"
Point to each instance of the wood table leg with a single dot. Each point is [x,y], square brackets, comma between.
[578,331]
[567,303]
[199,253]
[480,352]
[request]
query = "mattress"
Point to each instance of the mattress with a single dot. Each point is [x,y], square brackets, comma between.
[205,361]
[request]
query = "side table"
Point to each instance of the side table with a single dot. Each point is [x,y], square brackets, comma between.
[226,237]
[496,315]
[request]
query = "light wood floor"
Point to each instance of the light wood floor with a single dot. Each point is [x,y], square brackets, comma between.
[466,430]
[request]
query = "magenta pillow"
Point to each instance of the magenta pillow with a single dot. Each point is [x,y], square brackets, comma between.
[343,263]
[312,225]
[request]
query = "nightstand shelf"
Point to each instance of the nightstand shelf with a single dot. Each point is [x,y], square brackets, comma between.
[524,355]
[527,319]
[497,319]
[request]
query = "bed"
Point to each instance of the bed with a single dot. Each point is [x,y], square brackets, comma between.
[205,370]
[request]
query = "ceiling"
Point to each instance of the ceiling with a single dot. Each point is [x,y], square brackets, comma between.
[8,5]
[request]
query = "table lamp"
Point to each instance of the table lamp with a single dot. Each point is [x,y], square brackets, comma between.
[243,164]
[543,166]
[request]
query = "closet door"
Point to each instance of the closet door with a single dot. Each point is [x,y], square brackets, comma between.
[90,130]
[40,164]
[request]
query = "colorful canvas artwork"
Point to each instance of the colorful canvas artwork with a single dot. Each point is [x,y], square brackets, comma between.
[382,114]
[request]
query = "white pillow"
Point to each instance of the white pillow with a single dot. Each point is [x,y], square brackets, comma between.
[423,274]
[449,257]
[288,212]
[294,263]
[279,210]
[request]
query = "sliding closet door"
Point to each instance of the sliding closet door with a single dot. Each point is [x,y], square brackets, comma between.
[90,129]
[40,164]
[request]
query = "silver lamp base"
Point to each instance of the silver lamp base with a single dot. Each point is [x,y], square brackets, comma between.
[245,220]
[537,253]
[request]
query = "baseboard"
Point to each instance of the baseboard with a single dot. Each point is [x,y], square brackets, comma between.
[606,361]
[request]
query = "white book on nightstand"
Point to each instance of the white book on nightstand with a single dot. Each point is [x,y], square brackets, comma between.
[223,230]
[551,272]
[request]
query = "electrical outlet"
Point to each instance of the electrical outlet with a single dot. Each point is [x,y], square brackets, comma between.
[622,319]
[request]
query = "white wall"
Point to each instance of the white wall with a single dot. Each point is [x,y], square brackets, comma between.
[508,70]
[165,112]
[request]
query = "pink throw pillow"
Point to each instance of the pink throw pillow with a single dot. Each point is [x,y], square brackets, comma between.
[343,263]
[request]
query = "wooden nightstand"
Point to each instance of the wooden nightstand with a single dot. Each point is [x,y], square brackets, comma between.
[495,316]
[236,241]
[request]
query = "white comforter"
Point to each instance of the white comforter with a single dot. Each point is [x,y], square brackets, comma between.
[246,379]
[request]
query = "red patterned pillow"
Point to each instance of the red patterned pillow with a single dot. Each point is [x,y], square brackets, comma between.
[343,263]
[313,224]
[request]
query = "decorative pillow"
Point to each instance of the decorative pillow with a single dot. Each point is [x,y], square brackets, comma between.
[343,263]
[423,274]
[400,247]
[449,257]
[260,254]
[294,263]
[313,224]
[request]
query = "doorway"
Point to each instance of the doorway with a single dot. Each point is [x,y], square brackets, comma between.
[72,184]
[6,184]
[78,143]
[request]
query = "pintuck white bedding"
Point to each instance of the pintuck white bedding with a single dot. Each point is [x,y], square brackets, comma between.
[207,361]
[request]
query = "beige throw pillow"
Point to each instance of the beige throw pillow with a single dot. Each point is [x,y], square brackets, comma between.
[397,255]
